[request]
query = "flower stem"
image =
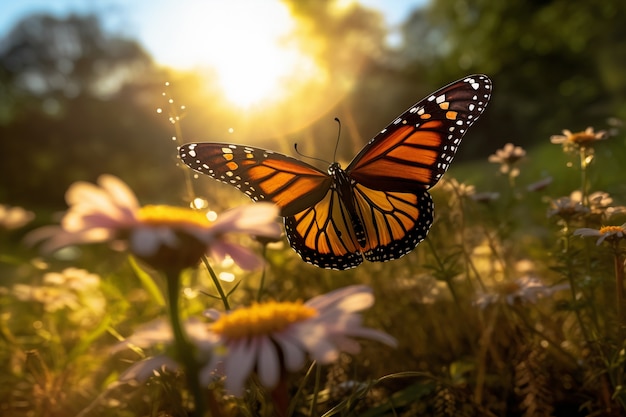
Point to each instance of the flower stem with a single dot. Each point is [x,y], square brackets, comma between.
[280,398]
[216,282]
[262,283]
[583,176]
[184,350]
[619,291]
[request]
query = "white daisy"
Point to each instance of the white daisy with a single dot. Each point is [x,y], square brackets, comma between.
[164,236]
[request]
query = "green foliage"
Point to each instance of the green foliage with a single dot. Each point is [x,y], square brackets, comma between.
[500,311]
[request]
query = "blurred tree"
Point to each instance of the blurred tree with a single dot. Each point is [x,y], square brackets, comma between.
[49,57]
[556,64]
[74,108]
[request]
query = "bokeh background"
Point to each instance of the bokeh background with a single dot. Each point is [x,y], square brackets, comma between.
[81,81]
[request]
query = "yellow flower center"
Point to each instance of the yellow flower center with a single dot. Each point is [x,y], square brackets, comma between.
[582,137]
[611,229]
[161,215]
[262,319]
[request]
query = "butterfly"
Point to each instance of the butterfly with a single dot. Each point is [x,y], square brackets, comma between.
[379,207]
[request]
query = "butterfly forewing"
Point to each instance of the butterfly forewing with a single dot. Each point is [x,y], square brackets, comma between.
[415,150]
[291,184]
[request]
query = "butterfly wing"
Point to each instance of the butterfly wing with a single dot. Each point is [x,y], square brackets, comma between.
[262,175]
[392,173]
[415,150]
[394,222]
[322,234]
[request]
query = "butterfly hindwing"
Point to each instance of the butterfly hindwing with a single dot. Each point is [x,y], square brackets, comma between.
[415,150]
[394,222]
[291,184]
[323,236]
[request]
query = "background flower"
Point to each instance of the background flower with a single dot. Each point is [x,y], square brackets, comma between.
[269,337]
[14,217]
[164,236]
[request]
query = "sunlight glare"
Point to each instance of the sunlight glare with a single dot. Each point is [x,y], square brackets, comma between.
[242,43]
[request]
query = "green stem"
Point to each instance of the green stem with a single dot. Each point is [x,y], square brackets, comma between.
[572,283]
[619,292]
[583,176]
[262,283]
[443,272]
[318,378]
[184,350]
[216,282]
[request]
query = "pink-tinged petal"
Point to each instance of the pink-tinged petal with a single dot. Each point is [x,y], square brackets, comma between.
[202,338]
[322,351]
[212,314]
[346,344]
[112,205]
[242,256]
[211,371]
[85,201]
[372,334]
[293,354]
[268,363]
[586,231]
[256,219]
[120,193]
[146,368]
[316,339]
[145,241]
[156,331]
[56,238]
[348,299]
[239,364]
[85,194]
[601,239]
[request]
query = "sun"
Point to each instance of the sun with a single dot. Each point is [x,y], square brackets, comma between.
[245,45]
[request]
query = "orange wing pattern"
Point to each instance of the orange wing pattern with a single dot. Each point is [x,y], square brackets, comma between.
[260,174]
[416,149]
[323,235]
[379,207]
[394,224]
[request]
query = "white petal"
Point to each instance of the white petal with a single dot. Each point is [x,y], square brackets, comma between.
[120,193]
[323,351]
[144,369]
[268,363]
[243,257]
[239,364]
[145,241]
[293,354]
[255,219]
[325,301]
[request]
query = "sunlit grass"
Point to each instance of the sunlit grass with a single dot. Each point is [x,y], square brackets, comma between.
[501,311]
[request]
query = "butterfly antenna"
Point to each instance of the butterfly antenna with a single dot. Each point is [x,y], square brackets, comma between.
[295,146]
[338,136]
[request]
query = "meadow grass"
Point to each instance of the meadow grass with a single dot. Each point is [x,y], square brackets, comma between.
[508,308]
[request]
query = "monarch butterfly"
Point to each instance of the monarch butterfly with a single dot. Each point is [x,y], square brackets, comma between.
[378,207]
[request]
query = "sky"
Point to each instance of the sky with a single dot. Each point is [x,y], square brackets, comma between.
[143,19]
[221,36]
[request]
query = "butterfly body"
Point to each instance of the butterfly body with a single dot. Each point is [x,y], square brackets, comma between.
[379,207]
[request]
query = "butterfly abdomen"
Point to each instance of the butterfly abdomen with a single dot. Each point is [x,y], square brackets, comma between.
[343,185]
